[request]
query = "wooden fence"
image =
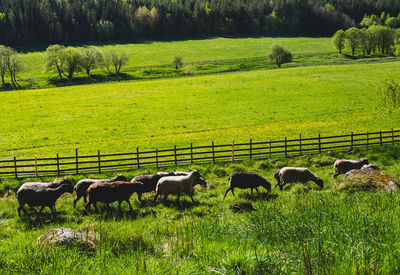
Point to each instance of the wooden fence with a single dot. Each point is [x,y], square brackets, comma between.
[97,163]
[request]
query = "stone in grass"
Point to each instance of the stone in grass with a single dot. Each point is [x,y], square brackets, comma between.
[241,206]
[68,237]
[367,179]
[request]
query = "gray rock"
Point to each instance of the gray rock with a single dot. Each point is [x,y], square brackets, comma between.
[67,237]
[392,187]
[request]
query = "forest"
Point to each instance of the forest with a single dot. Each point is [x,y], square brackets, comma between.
[25,22]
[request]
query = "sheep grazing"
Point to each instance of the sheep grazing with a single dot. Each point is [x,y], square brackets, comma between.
[341,166]
[177,184]
[246,180]
[296,174]
[108,192]
[278,180]
[199,181]
[82,185]
[42,194]
[150,181]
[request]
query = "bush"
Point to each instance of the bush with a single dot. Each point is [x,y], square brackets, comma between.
[279,55]
[178,62]
[389,93]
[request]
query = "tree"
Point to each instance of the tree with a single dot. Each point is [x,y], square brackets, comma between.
[177,61]
[384,38]
[279,55]
[367,41]
[146,18]
[352,36]
[112,59]
[91,58]
[389,94]
[5,54]
[338,40]
[72,61]
[15,66]
[55,59]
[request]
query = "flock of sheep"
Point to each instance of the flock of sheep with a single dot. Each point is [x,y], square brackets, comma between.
[163,183]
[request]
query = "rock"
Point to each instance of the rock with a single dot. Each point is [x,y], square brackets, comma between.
[392,187]
[68,237]
[379,180]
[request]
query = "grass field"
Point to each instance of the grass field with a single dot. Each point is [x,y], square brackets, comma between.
[263,104]
[156,53]
[295,231]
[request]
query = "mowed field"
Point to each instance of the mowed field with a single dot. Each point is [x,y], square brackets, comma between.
[262,104]
[156,53]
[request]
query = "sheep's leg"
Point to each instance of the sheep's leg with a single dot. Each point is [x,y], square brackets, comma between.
[227,190]
[85,198]
[76,200]
[139,195]
[335,176]
[155,198]
[251,192]
[178,197]
[21,207]
[233,193]
[190,194]
[257,191]
[40,210]
[119,206]
[130,206]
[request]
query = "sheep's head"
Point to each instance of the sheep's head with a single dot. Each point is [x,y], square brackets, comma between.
[267,185]
[68,187]
[120,177]
[319,182]
[65,180]
[364,161]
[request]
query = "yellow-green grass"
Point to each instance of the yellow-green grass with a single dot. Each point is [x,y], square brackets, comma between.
[263,104]
[155,53]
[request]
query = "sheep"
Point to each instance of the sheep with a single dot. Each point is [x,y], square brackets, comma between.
[150,181]
[108,192]
[177,184]
[42,194]
[341,166]
[298,174]
[199,181]
[278,180]
[370,167]
[246,180]
[82,185]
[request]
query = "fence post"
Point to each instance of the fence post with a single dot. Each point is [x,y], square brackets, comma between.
[270,148]
[176,162]
[58,166]
[191,152]
[15,168]
[380,137]
[285,147]
[137,158]
[367,139]
[300,143]
[233,150]
[319,143]
[213,152]
[99,160]
[351,146]
[156,157]
[76,161]
[251,149]
[36,173]
[392,137]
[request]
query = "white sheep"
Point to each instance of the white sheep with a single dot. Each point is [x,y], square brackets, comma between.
[298,174]
[341,166]
[177,184]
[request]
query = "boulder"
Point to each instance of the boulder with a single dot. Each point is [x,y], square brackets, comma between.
[68,237]
[376,179]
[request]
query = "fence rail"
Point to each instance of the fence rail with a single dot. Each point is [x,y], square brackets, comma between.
[98,163]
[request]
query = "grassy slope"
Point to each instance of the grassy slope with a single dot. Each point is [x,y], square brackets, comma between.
[344,233]
[258,104]
[151,53]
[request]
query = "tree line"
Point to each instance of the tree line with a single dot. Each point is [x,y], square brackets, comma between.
[59,21]
[380,35]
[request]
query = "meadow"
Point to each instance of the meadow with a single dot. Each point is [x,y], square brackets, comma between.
[259,104]
[301,229]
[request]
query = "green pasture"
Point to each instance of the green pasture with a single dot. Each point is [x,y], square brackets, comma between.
[263,104]
[155,53]
[300,230]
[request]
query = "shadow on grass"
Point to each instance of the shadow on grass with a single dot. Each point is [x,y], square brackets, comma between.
[36,220]
[259,196]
